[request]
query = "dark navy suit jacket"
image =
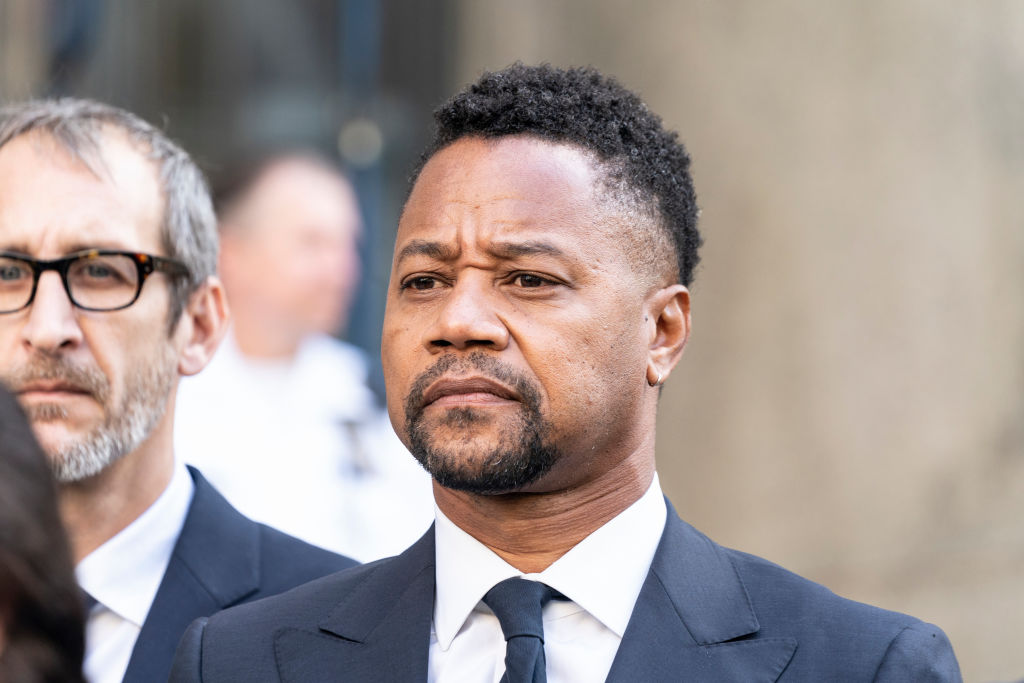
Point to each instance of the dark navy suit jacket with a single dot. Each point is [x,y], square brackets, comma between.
[220,559]
[705,614]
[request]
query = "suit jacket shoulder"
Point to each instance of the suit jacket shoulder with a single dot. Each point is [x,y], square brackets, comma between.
[724,615]
[220,559]
[838,636]
[368,623]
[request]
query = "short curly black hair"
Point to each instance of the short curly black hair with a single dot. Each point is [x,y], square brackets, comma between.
[582,107]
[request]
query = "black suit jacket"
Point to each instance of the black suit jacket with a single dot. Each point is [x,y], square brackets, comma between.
[705,613]
[220,559]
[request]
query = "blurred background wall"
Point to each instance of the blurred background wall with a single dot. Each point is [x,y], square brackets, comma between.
[852,401]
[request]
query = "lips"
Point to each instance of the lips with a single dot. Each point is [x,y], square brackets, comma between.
[448,386]
[52,387]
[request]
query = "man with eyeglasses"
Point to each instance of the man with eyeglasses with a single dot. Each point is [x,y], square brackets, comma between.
[108,294]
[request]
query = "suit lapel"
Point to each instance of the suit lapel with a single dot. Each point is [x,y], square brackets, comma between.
[215,563]
[693,619]
[378,631]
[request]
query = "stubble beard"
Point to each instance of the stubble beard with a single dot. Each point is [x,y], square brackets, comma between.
[522,453]
[125,426]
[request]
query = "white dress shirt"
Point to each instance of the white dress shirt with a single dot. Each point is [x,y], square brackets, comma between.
[300,444]
[123,575]
[601,576]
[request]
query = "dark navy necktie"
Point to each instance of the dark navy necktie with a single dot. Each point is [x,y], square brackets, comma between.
[518,604]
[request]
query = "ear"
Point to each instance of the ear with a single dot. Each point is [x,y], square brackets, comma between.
[202,326]
[668,321]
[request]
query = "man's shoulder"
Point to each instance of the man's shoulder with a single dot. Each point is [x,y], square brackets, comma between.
[375,587]
[837,634]
[832,634]
[247,631]
[777,596]
[221,558]
[240,643]
[782,596]
[300,607]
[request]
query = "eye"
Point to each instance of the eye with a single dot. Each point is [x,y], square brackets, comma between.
[97,271]
[10,272]
[102,271]
[530,280]
[420,282]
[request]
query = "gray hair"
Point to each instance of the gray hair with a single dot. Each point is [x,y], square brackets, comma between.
[189,226]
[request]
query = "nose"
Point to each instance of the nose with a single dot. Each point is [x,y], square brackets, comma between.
[52,326]
[468,318]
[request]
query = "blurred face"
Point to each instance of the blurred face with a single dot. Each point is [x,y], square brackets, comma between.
[94,384]
[514,342]
[293,258]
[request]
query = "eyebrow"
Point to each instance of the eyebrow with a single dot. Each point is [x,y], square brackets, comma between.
[15,248]
[99,244]
[506,250]
[436,250]
[76,247]
[529,248]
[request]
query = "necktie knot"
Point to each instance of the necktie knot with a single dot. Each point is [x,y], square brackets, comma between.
[518,604]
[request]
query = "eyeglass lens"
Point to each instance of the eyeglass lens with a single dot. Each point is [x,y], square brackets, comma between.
[99,282]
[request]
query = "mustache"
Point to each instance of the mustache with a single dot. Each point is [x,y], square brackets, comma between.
[43,368]
[478,361]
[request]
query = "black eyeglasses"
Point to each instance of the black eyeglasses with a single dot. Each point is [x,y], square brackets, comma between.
[95,280]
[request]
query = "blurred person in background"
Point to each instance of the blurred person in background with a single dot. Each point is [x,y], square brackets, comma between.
[108,294]
[282,421]
[42,625]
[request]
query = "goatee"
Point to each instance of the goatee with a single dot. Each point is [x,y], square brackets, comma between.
[523,453]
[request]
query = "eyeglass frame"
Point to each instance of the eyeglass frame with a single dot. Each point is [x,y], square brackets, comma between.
[145,265]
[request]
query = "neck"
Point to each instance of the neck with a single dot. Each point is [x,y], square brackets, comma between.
[532,530]
[96,509]
[257,338]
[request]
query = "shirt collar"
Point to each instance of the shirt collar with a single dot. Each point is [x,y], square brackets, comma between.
[622,549]
[125,572]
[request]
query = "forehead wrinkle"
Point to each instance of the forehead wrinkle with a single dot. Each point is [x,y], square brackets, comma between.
[88,236]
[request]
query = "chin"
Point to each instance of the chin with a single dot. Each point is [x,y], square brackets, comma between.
[486,468]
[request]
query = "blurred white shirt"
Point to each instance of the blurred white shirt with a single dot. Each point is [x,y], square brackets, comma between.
[300,445]
[601,576]
[123,576]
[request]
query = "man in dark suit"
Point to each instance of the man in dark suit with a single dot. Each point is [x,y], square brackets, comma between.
[108,294]
[538,302]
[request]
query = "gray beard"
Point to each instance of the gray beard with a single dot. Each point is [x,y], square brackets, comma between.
[126,425]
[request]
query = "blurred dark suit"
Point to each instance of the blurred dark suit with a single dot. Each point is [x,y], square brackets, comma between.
[220,559]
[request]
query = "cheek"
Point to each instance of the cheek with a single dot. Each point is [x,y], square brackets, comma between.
[131,346]
[390,341]
[396,364]
[595,367]
[9,334]
[402,333]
